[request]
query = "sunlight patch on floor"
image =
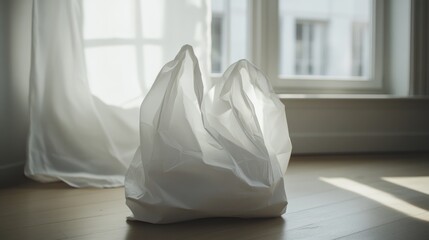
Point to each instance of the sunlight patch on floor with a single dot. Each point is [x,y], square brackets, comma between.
[420,184]
[379,196]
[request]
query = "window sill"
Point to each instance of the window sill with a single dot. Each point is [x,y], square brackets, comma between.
[347,96]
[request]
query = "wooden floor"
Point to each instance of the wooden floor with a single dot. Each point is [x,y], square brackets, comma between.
[330,197]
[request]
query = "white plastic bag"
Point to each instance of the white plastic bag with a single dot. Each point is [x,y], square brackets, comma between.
[216,153]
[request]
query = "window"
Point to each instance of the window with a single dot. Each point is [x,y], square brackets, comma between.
[128,41]
[230,33]
[117,52]
[308,46]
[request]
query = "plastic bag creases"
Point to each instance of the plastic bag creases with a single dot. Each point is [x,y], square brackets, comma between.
[219,150]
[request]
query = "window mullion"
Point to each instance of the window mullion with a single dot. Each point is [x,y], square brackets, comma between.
[270,43]
[226,56]
[256,43]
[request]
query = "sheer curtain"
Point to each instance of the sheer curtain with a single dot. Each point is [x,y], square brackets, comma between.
[92,63]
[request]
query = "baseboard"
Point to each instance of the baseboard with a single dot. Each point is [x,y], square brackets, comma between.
[359,142]
[11,174]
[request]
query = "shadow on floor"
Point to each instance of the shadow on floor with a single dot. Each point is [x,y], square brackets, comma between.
[213,228]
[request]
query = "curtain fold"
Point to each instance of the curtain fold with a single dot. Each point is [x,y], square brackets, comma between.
[84,111]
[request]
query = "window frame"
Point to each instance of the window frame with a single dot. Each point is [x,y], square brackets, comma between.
[264,52]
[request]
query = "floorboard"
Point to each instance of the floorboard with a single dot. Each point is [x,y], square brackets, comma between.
[380,196]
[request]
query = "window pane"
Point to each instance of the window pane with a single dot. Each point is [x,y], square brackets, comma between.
[108,19]
[325,37]
[112,74]
[229,33]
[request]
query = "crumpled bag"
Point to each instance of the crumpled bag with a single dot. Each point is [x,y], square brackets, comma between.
[216,153]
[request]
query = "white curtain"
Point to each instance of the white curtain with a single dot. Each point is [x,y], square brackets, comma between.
[92,63]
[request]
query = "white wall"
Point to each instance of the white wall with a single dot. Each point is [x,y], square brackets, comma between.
[14,72]
[347,125]
[4,86]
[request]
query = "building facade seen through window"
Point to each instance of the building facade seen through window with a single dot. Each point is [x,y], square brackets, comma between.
[326,38]
[310,47]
